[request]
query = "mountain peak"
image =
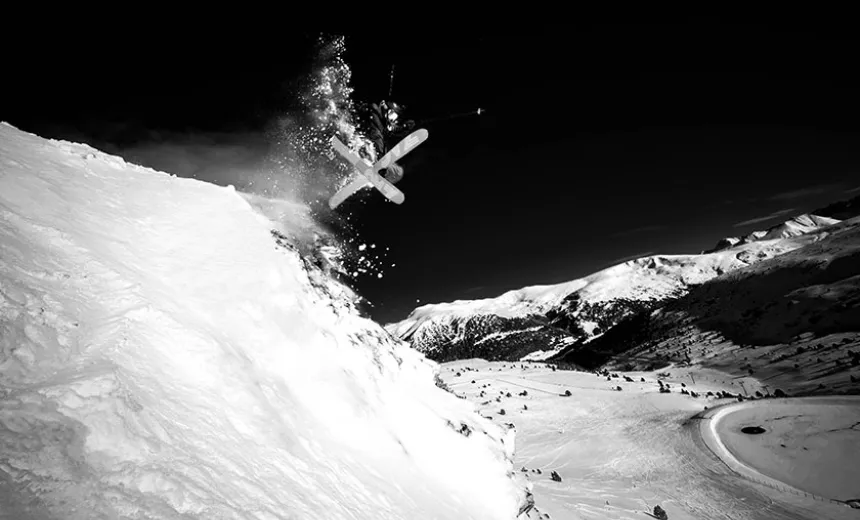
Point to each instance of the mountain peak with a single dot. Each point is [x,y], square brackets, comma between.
[795,226]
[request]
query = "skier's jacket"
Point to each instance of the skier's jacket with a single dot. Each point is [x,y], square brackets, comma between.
[386,132]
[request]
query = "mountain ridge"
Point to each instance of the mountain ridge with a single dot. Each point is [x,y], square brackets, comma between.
[577,311]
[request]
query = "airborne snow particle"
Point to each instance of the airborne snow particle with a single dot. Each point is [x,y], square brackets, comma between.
[362,247]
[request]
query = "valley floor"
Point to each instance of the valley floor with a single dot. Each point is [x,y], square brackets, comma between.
[620,453]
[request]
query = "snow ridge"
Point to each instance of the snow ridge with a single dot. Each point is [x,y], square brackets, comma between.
[796,226]
[166,352]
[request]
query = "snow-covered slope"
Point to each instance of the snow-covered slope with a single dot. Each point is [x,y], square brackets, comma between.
[620,446]
[795,316]
[580,309]
[799,225]
[161,357]
[796,226]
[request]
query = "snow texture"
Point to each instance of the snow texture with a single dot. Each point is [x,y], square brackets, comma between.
[796,226]
[161,357]
[620,453]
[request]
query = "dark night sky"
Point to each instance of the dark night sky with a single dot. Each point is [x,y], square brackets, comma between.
[599,142]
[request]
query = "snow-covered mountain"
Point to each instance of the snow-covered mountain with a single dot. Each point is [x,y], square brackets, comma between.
[794,317]
[536,322]
[799,225]
[167,352]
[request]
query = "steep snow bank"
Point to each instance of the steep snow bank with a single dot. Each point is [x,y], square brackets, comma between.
[162,357]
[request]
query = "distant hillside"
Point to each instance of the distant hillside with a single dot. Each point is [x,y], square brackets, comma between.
[539,321]
[842,210]
[795,316]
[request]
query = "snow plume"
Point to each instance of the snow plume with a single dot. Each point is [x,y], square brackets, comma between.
[289,171]
[301,150]
[164,356]
[301,140]
[223,158]
[290,159]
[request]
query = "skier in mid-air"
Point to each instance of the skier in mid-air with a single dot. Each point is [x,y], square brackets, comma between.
[386,130]
[388,139]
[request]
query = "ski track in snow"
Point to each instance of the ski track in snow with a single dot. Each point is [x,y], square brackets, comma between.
[619,453]
[161,358]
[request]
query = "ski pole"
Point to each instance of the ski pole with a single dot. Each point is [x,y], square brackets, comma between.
[478,111]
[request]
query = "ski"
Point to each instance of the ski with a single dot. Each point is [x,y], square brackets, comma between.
[406,145]
[347,191]
[369,174]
